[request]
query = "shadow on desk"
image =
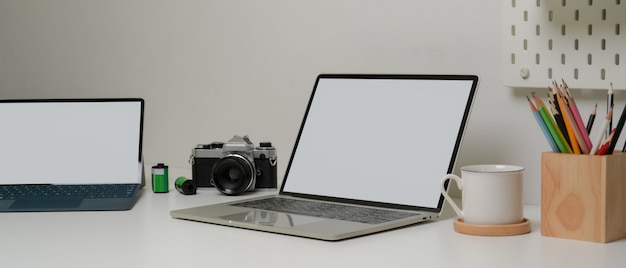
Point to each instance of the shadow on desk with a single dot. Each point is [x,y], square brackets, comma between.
[448,212]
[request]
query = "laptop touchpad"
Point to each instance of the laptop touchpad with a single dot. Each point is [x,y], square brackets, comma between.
[47,203]
[268,218]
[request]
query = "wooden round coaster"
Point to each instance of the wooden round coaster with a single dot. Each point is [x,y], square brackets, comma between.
[492,230]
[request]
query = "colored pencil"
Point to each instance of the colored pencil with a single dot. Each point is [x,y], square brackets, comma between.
[609,105]
[592,117]
[558,116]
[605,147]
[559,139]
[569,123]
[543,126]
[605,125]
[618,130]
[573,116]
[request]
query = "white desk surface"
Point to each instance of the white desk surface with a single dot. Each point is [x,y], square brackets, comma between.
[147,236]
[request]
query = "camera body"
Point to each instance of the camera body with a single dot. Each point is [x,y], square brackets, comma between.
[235,166]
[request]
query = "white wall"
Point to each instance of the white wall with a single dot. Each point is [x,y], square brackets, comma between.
[211,69]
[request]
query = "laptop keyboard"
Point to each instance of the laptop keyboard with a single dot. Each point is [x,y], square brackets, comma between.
[326,210]
[13,192]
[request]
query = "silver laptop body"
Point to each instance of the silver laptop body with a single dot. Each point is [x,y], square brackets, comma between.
[380,142]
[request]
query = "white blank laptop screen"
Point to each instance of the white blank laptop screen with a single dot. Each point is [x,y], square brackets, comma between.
[383,140]
[70,142]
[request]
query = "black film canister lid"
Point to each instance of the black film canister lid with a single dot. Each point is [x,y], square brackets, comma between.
[185,186]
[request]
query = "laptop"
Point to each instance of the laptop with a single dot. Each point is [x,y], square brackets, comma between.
[375,146]
[70,154]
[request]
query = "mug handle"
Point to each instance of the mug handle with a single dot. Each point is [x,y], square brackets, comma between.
[459,183]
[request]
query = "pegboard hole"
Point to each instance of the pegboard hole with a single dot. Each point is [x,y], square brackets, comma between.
[537,59]
[526,15]
[602,74]
[575,40]
[549,73]
[538,30]
[550,15]
[550,44]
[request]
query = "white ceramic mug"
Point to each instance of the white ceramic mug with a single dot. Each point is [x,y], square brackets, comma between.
[491,194]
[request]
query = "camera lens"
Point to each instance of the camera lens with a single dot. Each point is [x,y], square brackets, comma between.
[233,174]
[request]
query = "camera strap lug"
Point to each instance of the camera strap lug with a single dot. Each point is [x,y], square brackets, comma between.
[191,159]
[273,161]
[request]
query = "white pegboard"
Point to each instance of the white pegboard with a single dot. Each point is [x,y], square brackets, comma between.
[582,41]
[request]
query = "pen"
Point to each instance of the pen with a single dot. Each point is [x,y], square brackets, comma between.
[605,125]
[592,117]
[543,126]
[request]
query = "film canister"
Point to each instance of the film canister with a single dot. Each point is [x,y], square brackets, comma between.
[159,178]
[185,186]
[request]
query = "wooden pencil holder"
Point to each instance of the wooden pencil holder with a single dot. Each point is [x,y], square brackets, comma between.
[583,197]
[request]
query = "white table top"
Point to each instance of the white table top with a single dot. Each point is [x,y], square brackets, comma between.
[147,236]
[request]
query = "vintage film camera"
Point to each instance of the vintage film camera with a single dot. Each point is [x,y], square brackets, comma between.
[235,166]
